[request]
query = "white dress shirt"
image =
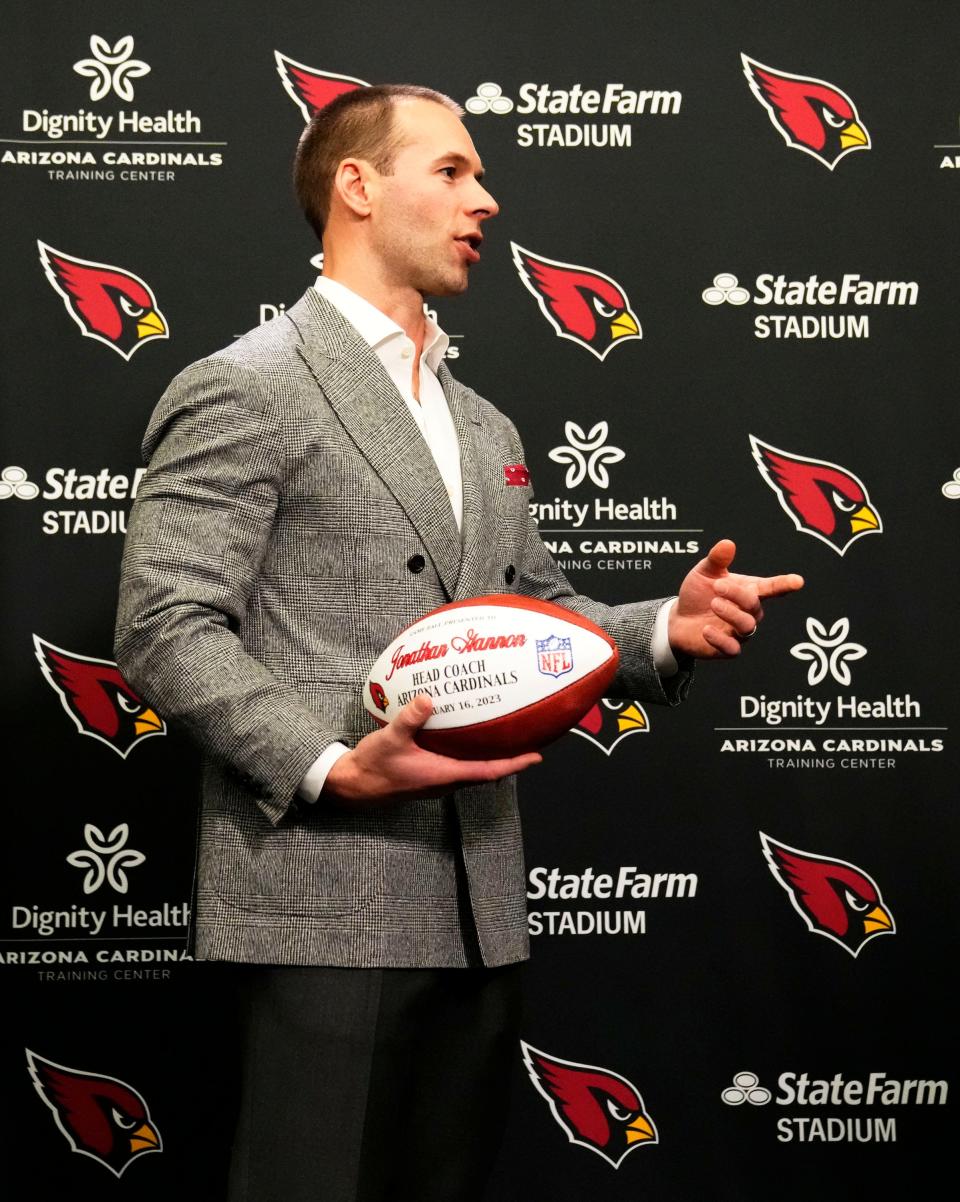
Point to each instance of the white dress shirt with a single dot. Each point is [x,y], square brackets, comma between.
[432,414]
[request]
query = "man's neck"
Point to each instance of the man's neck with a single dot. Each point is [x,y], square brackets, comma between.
[404,305]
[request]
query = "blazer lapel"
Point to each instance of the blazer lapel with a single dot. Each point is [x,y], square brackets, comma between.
[479,513]
[378,421]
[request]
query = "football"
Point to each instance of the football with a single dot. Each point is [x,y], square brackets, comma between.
[507,674]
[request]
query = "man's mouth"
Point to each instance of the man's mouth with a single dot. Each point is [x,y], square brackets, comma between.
[471,244]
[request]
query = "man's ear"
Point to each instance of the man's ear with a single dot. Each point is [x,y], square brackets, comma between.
[354,185]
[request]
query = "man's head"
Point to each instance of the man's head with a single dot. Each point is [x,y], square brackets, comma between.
[391,173]
[358,124]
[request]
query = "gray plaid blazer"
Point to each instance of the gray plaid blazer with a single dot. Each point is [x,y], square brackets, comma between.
[272,554]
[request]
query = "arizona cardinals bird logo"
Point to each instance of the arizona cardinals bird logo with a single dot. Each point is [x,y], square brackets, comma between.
[583,305]
[597,1108]
[609,722]
[810,114]
[834,898]
[97,698]
[101,1117]
[112,305]
[309,89]
[821,498]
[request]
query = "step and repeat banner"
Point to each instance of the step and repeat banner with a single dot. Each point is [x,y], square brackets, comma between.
[721,300]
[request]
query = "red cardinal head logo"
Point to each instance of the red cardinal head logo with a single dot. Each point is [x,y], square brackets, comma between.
[822,499]
[97,698]
[309,89]
[597,1108]
[832,897]
[101,1117]
[112,305]
[378,696]
[609,722]
[581,304]
[810,114]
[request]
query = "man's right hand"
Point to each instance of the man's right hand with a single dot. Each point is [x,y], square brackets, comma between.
[389,765]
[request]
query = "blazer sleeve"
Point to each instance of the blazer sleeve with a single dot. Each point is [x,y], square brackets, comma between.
[196,538]
[630,626]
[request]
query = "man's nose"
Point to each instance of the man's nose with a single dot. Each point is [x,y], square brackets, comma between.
[485,206]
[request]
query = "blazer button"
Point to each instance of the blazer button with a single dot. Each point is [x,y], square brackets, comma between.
[510,573]
[416,563]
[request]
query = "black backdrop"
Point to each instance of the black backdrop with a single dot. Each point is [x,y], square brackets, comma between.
[718,971]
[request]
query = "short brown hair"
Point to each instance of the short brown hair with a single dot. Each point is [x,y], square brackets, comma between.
[357,124]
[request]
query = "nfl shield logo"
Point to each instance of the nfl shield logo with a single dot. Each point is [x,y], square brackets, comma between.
[554,656]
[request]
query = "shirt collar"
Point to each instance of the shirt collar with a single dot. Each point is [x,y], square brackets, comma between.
[374,327]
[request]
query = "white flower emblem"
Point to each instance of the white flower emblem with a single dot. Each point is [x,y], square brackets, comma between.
[106,858]
[832,641]
[582,465]
[111,68]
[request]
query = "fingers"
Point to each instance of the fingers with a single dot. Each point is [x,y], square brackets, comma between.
[742,621]
[721,641]
[741,591]
[776,586]
[487,770]
[719,558]
[413,715]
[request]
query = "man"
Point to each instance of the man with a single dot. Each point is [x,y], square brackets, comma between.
[312,490]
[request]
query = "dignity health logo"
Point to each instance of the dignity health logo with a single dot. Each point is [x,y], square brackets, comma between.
[586,455]
[105,858]
[111,68]
[101,143]
[828,651]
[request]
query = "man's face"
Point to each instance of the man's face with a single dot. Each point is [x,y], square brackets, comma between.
[427,213]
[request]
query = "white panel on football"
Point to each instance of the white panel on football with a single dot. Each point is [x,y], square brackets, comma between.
[481,662]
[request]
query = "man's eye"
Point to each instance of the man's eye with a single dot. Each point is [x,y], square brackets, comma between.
[450,172]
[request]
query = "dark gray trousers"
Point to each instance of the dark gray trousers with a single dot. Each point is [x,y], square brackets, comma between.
[373,1085]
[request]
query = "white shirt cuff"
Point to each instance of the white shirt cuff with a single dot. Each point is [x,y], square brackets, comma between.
[663,658]
[316,775]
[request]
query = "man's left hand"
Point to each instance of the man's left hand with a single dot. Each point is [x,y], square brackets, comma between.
[718,610]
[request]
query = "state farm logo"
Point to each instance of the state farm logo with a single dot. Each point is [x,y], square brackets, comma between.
[489,99]
[563,894]
[583,305]
[725,289]
[809,114]
[951,488]
[112,68]
[821,498]
[100,1117]
[610,721]
[586,455]
[311,89]
[105,858]
[834,898]
[108,145]
[97,699]
[553,106]
[595,1107]
[108,303]
[851,290]
[746,1087]
[836,1094]
[14,483]
[77,492]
